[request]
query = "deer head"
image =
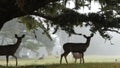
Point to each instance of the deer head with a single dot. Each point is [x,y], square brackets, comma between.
[19,37]
[88,38]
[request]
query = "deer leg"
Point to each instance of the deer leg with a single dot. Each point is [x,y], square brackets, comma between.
[83,60]
[80,60]
[61,58]
[75,60]
[65,56]
[15,59]
[7,59]
[83,57]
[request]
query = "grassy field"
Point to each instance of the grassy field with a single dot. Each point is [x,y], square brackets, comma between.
[86,65]
[52,62]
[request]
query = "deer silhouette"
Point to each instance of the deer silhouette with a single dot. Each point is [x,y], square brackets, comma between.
[10,49]
[75,47]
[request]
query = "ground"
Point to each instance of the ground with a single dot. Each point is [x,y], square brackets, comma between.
[52,62]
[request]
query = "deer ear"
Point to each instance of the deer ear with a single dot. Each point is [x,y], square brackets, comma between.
[23,35]
[16,35]
[92,35]
[85,36]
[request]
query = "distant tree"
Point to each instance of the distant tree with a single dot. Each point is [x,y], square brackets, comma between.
[32,46]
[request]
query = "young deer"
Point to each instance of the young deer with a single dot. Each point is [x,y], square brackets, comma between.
[10,49]
[75,47]
[77,55]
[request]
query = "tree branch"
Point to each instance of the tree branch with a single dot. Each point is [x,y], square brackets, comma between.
[113,31]
[43,15]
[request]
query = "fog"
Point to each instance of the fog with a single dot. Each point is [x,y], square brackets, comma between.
[43,47]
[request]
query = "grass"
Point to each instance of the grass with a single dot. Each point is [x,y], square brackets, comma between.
[86,65]
[52,62]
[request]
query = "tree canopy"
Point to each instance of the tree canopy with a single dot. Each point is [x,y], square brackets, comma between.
[57,15]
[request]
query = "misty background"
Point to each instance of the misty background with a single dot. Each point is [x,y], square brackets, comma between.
[43,46]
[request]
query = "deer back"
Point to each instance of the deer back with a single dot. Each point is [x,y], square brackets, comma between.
[74,47]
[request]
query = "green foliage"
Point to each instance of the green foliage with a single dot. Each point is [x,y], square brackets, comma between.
[51,9]
[32,24]
[56,13]
[68,19]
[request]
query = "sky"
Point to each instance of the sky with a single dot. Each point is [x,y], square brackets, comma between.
[94,7]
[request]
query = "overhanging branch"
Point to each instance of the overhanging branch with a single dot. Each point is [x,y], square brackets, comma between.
[43,15]
[112,30]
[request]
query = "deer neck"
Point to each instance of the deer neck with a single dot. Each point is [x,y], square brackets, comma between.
[87,43]
[17,43]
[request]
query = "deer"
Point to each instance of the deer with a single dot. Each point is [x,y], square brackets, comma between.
[10,49]
[75,47]
[77,55]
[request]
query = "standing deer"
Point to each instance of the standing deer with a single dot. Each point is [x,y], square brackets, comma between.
[77,55]
[10,49]
[75,47]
